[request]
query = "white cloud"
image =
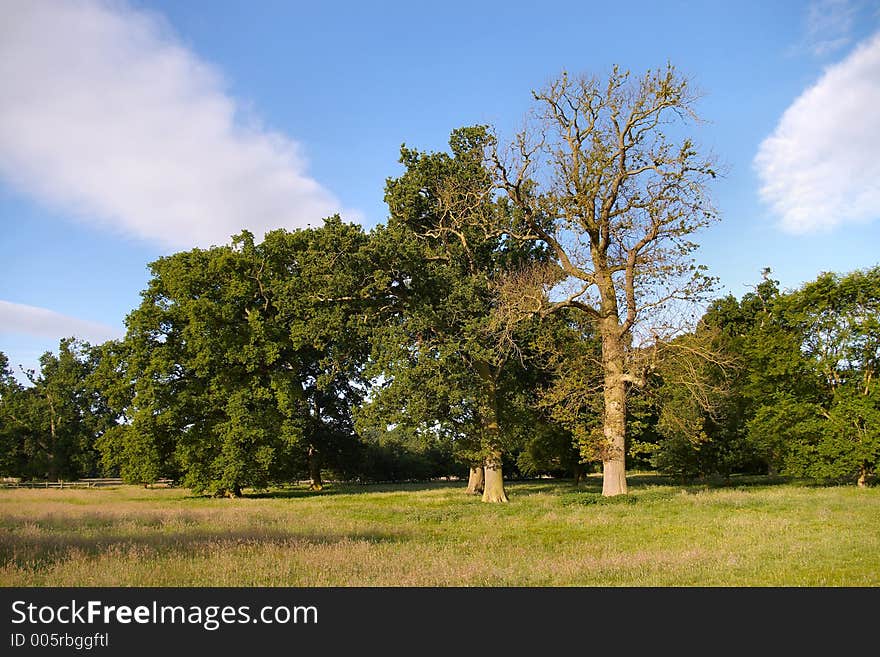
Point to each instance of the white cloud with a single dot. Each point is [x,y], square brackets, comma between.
[104,113]
[820,168]
[17,318]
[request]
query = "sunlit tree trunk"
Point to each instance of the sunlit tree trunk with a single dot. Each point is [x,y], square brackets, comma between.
[494,486]
[614,429]
[493,481]
[475,480]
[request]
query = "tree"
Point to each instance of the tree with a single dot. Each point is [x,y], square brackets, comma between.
[49,428]
[448,347]
[802,397]
[12,460]
[314,279]
[770,384]
[696,387]
[133,455]
[603,180]
[837,323]
[240,370]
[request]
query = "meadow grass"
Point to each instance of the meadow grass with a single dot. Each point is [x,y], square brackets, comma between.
[752,533]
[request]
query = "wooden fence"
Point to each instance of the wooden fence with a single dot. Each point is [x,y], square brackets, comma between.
[94,482]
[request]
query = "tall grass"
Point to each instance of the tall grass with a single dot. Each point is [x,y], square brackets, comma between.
[551,534]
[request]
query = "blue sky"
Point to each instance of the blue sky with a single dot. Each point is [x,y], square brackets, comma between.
[129,130]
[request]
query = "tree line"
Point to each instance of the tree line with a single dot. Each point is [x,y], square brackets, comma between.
[523,310]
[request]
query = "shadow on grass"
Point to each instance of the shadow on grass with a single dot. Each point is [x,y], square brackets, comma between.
[350,488]
[637,482]
[649,486]
[645,479]
[641,484]
[35,552]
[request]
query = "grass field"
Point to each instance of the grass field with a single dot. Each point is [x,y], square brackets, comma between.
[752,533]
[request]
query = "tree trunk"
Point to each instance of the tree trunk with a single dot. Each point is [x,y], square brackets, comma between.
[614,429]
[475,480]
[315,469]
[578,471]
[494,482]
[863,476]
[493,478]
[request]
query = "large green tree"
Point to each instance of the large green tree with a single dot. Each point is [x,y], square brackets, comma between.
[447,352]
[241,371]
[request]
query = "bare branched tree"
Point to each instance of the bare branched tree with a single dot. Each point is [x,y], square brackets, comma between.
[603,177]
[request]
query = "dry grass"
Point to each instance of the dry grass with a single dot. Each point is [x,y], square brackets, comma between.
[435,535]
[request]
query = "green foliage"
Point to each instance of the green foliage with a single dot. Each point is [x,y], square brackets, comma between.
[242,361]
[549,450]
[570,351]
[48,429]
[403,454]
[849,445]
[12,459]
[832,410]
[449,369]
[799,395]
[699,415]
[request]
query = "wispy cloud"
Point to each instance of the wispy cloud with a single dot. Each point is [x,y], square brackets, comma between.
[830,24]
[106,114]
[21,319]
[820,168]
